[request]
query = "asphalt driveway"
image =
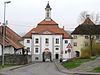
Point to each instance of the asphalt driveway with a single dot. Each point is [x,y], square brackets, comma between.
[47,68]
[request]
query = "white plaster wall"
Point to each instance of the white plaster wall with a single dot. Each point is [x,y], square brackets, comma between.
[50,45]
[0,50]
[19,51]
[68,55]
[28,44]
[9,50]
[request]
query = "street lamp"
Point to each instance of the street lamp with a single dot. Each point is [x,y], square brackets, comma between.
[4,31]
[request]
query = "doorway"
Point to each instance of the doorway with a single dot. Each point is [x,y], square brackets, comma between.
[77,53]
[57,56]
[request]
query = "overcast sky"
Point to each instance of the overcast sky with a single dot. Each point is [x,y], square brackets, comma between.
[23,15]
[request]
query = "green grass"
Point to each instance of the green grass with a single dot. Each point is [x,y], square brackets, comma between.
[76,63]
[8,65]
[97,69]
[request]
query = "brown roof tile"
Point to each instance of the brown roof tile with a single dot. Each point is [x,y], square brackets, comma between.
[44,22]
[88,22]
[50,26]
[12,38]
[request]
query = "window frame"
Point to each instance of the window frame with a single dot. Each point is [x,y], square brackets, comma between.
[36,50]
[97,37]
[86,44]
[75,44]
[86,36]
[46,41]
[36,40]
[57,40]
[28,41]
[75,37]
[65,41]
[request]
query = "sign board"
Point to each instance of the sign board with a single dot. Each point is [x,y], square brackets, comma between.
[69,46]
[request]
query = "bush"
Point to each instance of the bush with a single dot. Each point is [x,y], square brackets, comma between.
[95,50]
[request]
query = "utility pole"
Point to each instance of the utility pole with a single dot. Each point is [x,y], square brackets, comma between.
[4,31]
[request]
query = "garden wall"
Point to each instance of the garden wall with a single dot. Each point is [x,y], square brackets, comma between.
[17,59]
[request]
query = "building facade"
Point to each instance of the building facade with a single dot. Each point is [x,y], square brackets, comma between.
[12,42]
[82,34]
[47,40]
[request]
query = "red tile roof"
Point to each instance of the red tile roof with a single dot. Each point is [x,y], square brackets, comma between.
[52,22]
[12,39]
[50,26]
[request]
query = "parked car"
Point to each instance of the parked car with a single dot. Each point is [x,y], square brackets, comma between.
[47,60]
[64,59]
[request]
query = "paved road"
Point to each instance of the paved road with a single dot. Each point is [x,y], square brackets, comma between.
[36,69]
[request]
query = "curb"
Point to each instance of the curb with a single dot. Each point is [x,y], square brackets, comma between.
[21,66]
[74,72]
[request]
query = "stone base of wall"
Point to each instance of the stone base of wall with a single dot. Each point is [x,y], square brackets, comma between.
[17,59]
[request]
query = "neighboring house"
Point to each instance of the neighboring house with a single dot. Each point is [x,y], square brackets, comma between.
[47,40]
[12,42]
[81,36]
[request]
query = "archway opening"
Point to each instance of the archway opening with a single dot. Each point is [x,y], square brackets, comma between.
[77,53]
[46,55]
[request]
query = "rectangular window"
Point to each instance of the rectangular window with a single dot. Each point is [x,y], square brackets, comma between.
[86,44]
[97,37]
[65,52]
[66,41]
[57,48]
[57,41]
[36,50]
[86,37]
[75,37]
[75,44]
[36,40]
[47,41]
[36,58]
[28,41]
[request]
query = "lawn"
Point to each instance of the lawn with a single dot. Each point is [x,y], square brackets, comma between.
[8,65]
[76,63]
[97,69]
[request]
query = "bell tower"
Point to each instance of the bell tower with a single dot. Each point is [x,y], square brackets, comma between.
[48,13]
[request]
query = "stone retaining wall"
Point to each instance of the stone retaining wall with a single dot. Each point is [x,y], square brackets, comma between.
[17,59]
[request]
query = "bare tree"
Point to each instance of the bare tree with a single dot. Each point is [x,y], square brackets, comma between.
[95,17]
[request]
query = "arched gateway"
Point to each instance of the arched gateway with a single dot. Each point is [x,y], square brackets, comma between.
[46,55]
